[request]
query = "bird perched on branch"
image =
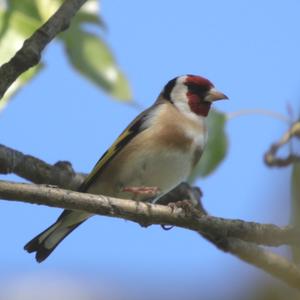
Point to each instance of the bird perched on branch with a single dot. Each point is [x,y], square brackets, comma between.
[155,153]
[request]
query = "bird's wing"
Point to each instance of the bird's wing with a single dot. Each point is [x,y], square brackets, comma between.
[133,129]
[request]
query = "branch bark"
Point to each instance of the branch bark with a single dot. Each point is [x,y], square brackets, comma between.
[38,171]
[30,53]
[234,236]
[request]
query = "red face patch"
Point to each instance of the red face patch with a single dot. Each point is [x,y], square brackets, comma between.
[197,106]
[197,89]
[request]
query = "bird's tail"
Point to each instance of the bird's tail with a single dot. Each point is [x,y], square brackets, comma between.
[44,243]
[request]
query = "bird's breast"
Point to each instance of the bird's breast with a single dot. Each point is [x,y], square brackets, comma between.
[162,168]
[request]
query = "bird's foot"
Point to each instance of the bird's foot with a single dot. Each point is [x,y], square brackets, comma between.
[186,205]
[142,190]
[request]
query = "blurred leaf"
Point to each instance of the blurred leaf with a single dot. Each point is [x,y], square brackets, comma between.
[295,214]
[26,7]
[15,27]
[46,8]
[89,12]
[18,84]
[19,27]
[21,15]
[216,147]
[91,57]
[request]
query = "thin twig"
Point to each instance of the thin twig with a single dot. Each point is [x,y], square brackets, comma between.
[270,157]
[30,53]
[258,111]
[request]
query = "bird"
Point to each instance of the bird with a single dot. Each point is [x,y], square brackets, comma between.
[156,152]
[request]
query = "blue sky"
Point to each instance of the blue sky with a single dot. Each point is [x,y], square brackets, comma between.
[250,50]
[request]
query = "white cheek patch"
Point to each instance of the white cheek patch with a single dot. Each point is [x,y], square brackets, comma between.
[178,95]
[179,90]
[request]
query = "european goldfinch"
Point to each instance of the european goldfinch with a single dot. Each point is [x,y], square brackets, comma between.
[155,153]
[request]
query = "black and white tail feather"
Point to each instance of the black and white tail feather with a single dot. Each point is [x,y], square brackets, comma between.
[44,243]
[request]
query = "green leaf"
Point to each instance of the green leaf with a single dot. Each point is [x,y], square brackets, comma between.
[90,56]
[26,7]
[15,27]
[46,8]
[87,53]
[295,215]
[89,12]
[216,147]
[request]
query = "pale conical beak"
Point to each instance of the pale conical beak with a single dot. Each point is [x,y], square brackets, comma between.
[215,95]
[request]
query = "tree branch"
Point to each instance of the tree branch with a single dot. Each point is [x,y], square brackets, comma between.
[225,234]
[37,171]
[270,157]
[270,262]
[30,53]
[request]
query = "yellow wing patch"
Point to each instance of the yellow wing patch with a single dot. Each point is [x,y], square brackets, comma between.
[114,149]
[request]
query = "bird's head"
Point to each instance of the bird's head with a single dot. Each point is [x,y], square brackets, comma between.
[191,93]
